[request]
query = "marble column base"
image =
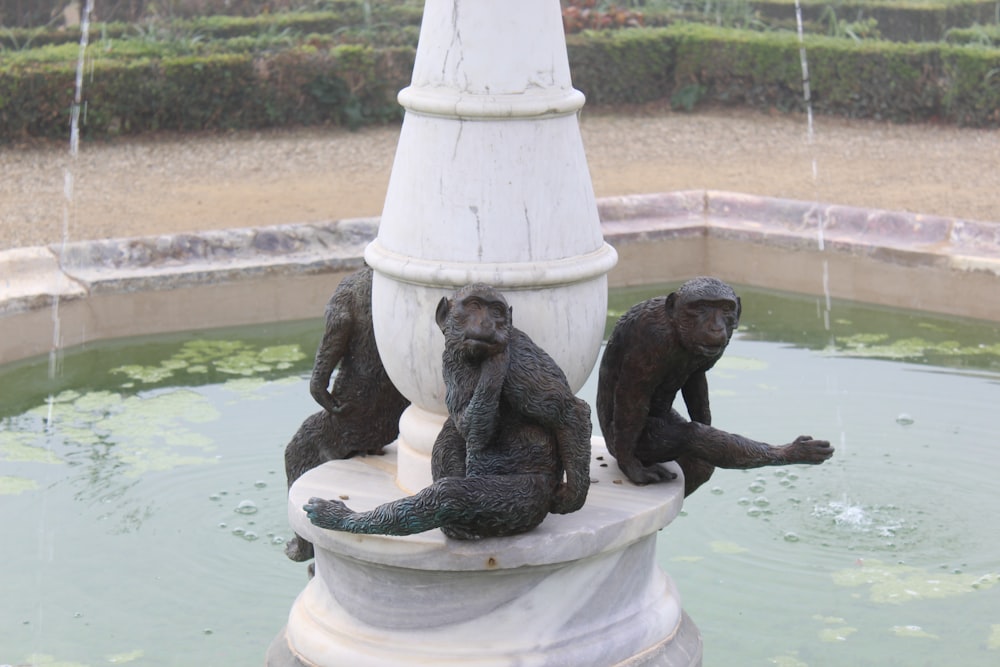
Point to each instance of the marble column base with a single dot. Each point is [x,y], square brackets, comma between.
[581,590]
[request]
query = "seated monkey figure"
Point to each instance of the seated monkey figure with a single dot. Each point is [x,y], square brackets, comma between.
[514,428]
[663,346]
[361,413]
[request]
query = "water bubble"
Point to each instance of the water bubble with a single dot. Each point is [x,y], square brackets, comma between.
[791,537]
[207,631]
[214,497]
[239,531]
[780,472]
[761,501]
[277,539]
[78,614]
[754,511]
[223,524]
[246,507]
[904,419]
[743,501]
[260,484]
[717,490]
[250,536]
[756,487]
[793,476]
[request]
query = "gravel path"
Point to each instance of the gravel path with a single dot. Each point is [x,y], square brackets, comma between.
[170,183]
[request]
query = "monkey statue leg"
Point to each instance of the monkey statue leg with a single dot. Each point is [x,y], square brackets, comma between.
[463,507]
[304,452]
[696,472]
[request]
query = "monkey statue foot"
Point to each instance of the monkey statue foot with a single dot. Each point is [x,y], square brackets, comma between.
[646,474]
[329,514]
[298,549]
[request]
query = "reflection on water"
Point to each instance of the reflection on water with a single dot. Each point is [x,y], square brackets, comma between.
[144,507]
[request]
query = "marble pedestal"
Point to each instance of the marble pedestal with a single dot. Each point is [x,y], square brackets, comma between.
[581,590]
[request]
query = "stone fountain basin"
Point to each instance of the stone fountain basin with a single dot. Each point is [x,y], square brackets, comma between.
[135,286]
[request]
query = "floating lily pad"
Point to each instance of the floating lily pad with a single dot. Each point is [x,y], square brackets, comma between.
[727,548]
[734,363]
[120,658]
[839,634]
[788,661]
[18,446]
[44,660]
[912,631]
[12,486]
[896,584]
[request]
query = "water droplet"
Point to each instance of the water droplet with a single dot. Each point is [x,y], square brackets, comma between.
[250,536]
[246,507]
[277,539]
[793,476]
[214,497]
[239,531]
[260,484]
[717,490]
[761,501]
[223,524]
[207,631]
[780,473]
[791,537]
[904,419]
[756,487]
[743,501]
[753,511]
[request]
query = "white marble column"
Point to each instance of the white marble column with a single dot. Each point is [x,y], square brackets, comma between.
[489,184]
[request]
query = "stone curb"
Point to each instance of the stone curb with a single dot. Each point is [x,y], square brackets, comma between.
[33,278]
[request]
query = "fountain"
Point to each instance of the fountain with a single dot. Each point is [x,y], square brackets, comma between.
[128,287]
[489,185]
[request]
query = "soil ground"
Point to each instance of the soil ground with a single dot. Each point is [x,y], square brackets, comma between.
[184,183]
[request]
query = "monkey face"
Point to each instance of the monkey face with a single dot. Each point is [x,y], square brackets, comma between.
[475,322]
[706,326]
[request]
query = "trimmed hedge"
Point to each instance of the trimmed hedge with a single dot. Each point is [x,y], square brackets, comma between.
[348,15]
[901,82]
[351,84]
[923,21]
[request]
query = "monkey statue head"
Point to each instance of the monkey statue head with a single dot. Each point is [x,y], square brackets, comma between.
[706,312]
[476,321]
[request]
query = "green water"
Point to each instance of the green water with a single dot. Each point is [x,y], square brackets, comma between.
[142,495]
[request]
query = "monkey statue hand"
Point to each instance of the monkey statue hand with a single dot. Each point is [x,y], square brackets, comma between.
[327,400]
[806,450]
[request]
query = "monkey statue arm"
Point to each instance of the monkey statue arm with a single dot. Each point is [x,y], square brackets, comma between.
[695,393]
[729,450]
[573,439]
[332,348]
[477,420]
